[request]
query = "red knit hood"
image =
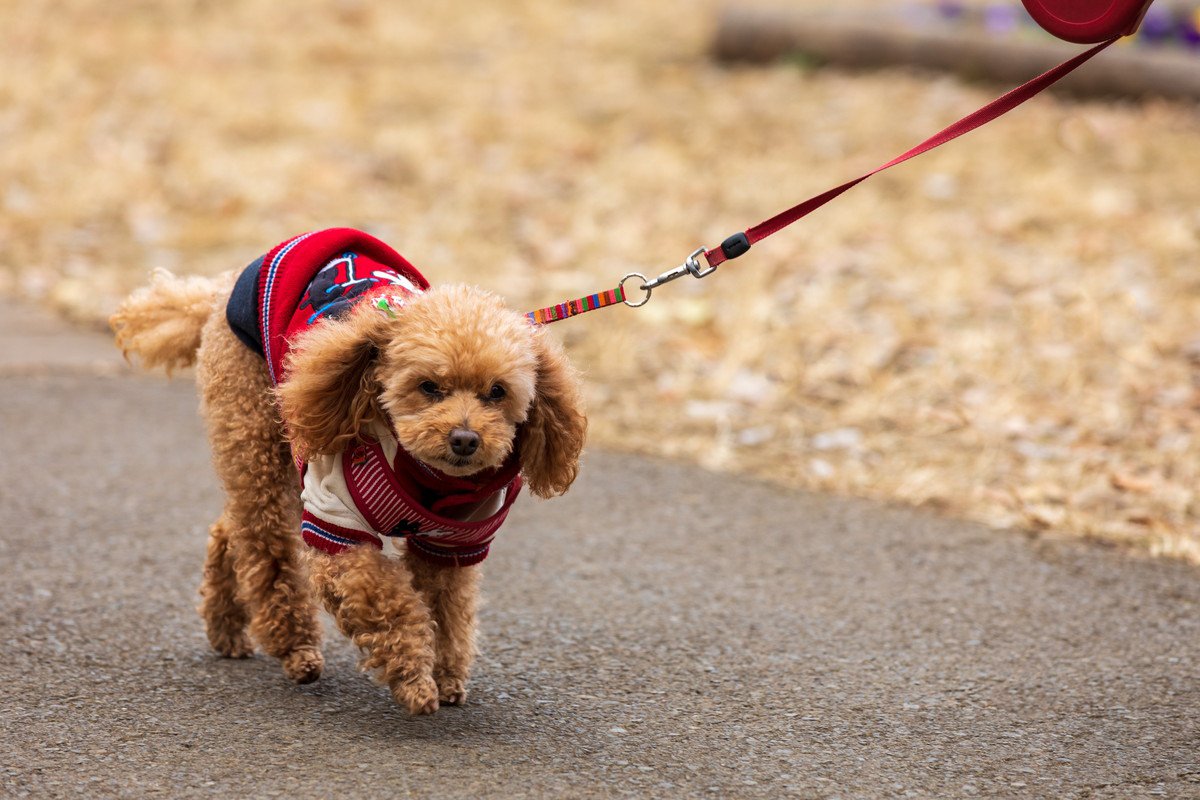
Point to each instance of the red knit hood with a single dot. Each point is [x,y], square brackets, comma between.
[321,274]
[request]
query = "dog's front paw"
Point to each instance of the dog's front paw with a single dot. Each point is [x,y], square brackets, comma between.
[452,691]
[231,645]
[303,665]
[419,696]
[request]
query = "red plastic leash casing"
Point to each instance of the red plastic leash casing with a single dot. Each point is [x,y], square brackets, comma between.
[1088,21]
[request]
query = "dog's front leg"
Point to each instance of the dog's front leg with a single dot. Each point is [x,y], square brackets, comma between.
[372,600]
[452,595]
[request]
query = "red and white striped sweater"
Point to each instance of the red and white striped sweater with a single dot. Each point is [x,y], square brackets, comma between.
[374,489]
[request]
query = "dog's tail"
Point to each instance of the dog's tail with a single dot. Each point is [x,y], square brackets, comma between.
[162,322]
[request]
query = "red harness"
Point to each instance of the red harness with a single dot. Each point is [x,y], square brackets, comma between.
[410,500]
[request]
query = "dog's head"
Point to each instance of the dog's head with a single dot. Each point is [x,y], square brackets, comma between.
[454,372]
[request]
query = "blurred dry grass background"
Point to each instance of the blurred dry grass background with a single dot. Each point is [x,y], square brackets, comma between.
[1005,330]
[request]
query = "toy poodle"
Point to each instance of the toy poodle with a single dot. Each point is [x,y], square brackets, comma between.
[371,433]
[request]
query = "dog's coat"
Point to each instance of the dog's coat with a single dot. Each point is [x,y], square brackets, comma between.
[308,278]
[373,488]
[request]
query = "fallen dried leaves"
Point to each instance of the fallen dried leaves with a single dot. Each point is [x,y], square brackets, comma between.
[1006,330]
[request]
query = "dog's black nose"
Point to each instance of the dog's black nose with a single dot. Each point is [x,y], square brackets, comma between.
[464,442]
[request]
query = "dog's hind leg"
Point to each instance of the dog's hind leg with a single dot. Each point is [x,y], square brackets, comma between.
[225,615]
[452,595]
[262,509]
[372,599]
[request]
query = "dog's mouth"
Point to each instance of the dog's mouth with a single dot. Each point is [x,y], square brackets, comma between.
[458,466]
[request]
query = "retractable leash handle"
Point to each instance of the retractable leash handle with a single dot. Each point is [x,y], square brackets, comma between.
[1088,21]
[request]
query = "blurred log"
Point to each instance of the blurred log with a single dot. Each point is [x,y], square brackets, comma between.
[761,35]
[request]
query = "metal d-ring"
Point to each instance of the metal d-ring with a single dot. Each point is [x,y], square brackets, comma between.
[645,299]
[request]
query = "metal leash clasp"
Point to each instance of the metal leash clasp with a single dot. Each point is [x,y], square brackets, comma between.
[690,266]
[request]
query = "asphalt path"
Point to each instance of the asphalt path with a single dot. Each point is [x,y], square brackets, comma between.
[660,631]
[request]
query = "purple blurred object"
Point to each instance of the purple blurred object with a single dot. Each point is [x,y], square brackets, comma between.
[1189,30]
[1000,19]
[1157,26]
[952,9]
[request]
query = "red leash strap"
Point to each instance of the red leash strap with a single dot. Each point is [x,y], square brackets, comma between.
[739,243]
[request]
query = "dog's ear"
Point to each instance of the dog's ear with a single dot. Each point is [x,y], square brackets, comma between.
[556,427]
[331,392]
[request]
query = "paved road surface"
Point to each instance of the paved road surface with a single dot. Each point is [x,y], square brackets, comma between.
[659,632]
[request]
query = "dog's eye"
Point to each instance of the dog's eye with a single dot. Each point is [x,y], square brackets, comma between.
[430,388]
[497,393]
